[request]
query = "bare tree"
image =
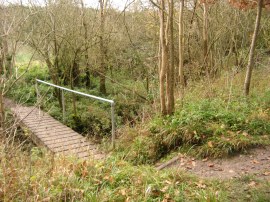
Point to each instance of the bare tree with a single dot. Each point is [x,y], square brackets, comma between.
[252,48]
[181,47]
[166,57]
[102,87]
[170,72]
[163,59]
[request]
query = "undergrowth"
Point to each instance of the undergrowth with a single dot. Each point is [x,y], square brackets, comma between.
[91,117]
[214,119]
[40,176]
[208,123]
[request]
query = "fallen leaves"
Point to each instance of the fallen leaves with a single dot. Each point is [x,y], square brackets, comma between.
[211,165]
[123,192]
[210,144]
[254,161]
[204,160]
[245,134]
[252,184]
[266,173]
[201,184]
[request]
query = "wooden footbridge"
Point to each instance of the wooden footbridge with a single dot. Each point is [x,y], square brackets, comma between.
[55,136]
[50,133]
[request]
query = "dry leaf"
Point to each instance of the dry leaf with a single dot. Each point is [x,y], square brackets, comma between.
[210,144]
[252,184]
[245,134]
[255,162]
[123,192]
[127,199]
[204,160]
[167,198]
[156,192]
[211,165]
[164,189]
[168,182]
[201,185]
[266,173]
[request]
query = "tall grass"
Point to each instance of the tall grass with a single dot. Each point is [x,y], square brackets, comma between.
[215,120]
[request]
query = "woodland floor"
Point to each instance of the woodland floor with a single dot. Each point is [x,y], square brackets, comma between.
[255,162]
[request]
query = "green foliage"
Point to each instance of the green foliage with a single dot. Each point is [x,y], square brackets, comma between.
[212,127]
[92,118]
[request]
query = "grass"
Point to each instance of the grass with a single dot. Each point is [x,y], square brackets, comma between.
[213,121]
[40,176]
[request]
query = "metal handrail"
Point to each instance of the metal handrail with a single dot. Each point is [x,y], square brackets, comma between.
[83,94]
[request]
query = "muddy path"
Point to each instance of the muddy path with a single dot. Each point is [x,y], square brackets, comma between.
[255,162]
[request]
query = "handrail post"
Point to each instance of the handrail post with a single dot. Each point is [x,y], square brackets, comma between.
[113,125]
[38,97]
[63,105]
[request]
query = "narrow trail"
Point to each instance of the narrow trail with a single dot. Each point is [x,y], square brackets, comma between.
[52,134]
[255,162]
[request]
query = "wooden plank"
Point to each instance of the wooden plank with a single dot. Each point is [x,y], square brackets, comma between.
[46,126]
[69,147]
[47,132]
[59,135]
[87,149]
[52,127]
[37,121]
[70,141]
[35,118]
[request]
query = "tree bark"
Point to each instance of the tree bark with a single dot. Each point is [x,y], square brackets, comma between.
[54,75]
[2,112]
[86,57]
[102,87]
[163,60]
[205,36]
[252,48]
[181,47]
[170,72]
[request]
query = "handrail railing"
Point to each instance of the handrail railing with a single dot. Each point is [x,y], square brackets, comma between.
[86,95]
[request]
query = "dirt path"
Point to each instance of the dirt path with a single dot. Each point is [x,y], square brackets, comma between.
[256,162]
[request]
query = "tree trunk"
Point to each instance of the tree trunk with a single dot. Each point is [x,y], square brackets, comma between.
[1,56]
[181,46]
[75,73]
[86,41]
[4,56]
[205,36]
[170,72]
[252,48]
[163,61]
[2,112]
[87,78]
[54,75]
[190,26]
[102,87]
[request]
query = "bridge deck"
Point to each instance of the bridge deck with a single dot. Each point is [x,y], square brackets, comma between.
[55,136]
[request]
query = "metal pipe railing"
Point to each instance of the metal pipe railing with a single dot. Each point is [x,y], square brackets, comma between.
[86,95]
